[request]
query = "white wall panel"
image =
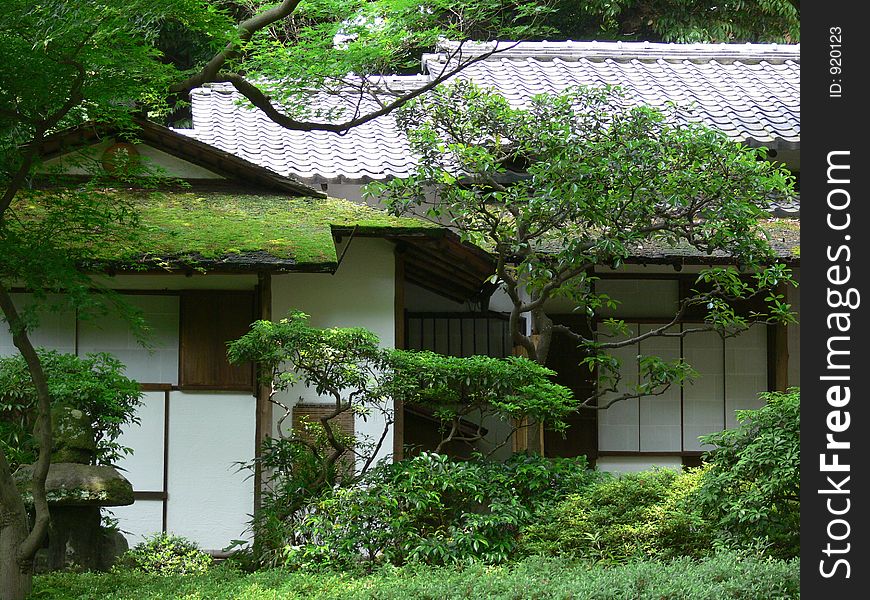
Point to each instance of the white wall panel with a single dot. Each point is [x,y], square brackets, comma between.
[360,294]
[642,298]
[209,433]
[618,425]
[746,371]
[140,519]
[703,410]
[158,364]
[144,468]
[56,330]
[660,415]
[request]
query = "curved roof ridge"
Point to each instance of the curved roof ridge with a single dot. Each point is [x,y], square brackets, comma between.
[619,50]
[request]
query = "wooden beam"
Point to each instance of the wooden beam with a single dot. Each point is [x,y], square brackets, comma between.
[263,423]
[781,350]
[399,342]
[438,286]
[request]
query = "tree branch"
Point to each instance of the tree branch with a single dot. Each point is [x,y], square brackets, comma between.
[246,30]
[41,431]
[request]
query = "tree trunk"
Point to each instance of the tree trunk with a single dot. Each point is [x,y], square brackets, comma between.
[18,545]
[15,579]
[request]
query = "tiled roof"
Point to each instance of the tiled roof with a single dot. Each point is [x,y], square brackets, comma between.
[749,91]
[372,151]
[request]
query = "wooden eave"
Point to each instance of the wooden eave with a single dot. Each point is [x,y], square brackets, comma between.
[182,147]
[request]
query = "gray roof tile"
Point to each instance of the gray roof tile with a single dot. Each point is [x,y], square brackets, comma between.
[749,91]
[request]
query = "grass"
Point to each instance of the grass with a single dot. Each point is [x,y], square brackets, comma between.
[720,577]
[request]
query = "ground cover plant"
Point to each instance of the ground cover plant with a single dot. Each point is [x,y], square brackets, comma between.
[721,577]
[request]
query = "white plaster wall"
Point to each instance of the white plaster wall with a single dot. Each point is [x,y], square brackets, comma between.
[703,411]
[168,282]
[660,415]
[173,166]
[84,161]
[140,519]
[157,363]
[144,468]
[56,326]
[360,294]
[618,426]
[746,372]
[633,464]
[210,500]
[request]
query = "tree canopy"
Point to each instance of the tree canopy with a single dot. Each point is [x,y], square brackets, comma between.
[583,180]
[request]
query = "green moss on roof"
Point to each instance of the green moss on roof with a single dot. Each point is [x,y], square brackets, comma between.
[219,225]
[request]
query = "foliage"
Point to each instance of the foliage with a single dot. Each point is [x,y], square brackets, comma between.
[431,509]
[343,364]
[652,514]
[389,36]
[455,388]
[94,385]
[293,476]
[67,63]
[752,488]
[582,180]
[721,577]
[347,366]
[677,20]
[165,554]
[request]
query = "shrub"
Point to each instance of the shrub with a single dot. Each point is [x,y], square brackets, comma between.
[433,509]
[166,554]
[94,385]
[637,515]
[753,486]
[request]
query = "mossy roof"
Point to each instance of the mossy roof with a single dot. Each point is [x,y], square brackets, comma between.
[223,230]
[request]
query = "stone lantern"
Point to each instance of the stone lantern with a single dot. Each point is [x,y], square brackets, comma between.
[76,489]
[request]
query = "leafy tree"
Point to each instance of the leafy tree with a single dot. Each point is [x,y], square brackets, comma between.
[282,52]
[66,63]
[342,364]
[678,20]
[752,488]
[94,385]
[70,62]
[347,366]
[99,61]
[319,64]
[474,388]
[581,180]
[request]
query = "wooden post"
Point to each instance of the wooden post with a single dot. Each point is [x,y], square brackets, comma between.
[399,342]
[263,423]
[522,441]
[781,350]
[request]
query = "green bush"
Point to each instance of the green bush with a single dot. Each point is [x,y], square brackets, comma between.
[433,509]
[165,554]
[753,486]
[94,385]
[638,515]
[722,577]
